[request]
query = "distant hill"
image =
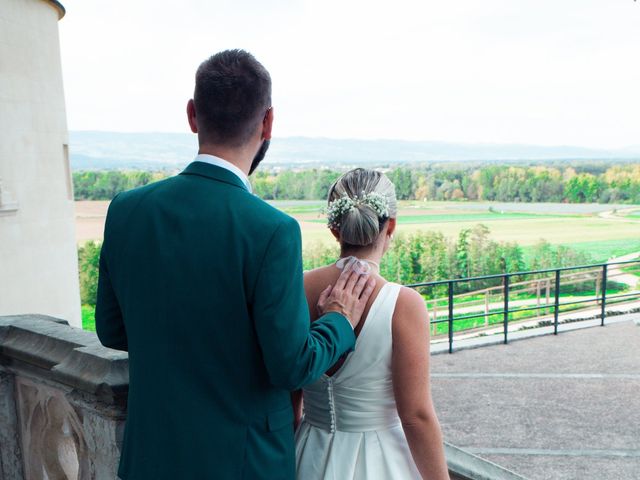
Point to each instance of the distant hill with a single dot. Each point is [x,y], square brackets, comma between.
[158,151]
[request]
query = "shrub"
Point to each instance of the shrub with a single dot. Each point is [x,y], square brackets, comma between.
[88,262]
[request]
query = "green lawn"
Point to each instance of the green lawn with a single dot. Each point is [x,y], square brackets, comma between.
[522,223]
[598,251]
[609,235]
[291,209]
[602,251]
[88,318]
[633,268]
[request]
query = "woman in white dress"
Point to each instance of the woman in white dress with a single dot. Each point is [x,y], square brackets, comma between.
[370,417]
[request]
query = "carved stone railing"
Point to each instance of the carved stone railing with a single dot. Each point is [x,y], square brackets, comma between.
[63,405]
[62,401]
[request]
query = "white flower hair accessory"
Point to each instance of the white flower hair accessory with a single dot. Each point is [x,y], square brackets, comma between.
[337,208]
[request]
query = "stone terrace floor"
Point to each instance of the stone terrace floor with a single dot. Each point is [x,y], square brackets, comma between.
[549,407]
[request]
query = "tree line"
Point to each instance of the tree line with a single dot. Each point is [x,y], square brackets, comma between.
[504,183]
[106,184]
[616,184]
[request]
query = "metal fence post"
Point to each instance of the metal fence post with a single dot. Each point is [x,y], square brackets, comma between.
[506,307]
[556,310]
[450,317]
[604,294]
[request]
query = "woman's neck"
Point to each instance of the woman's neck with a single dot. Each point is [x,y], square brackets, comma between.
[371,254]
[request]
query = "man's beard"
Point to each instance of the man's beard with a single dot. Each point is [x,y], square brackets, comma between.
[262,151]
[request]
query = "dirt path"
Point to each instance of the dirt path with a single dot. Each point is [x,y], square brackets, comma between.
[616,271]
[616,215]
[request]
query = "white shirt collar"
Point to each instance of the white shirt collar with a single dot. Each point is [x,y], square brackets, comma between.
[222,163]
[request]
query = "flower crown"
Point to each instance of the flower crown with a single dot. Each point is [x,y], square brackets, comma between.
[337,208]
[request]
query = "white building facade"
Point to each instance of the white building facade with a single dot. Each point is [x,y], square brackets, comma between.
[38,256]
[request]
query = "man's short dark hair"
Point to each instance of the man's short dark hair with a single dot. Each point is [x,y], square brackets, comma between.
[232,95]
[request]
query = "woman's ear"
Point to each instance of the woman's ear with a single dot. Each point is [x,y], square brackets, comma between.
[336,233]
[391,227]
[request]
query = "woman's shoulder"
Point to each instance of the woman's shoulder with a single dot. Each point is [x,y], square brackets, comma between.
[319,273]
[410,307]
[409,295]
[318,278]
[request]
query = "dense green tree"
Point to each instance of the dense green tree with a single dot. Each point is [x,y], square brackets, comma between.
[402,178]
[584,188]
[88,262]
[104,185]
[462,254]
[513,258]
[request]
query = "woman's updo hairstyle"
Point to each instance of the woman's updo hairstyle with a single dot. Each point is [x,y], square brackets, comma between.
[360,203]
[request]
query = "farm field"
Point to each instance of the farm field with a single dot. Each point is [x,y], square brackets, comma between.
[594,228]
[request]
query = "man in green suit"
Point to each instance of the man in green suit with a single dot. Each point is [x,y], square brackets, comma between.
[201,282]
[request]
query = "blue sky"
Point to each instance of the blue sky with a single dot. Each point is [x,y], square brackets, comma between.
[496,71]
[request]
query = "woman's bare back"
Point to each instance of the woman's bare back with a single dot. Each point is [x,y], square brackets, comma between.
[315,281]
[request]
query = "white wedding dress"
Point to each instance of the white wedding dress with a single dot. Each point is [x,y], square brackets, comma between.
[351,429]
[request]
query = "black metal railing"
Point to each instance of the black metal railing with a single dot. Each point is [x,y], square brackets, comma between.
[516,298]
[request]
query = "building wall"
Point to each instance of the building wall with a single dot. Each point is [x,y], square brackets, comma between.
[38,259]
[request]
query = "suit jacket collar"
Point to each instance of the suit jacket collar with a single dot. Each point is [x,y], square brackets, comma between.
[213,172]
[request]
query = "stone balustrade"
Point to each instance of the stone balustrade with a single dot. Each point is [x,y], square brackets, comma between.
[63,405]
[62,401]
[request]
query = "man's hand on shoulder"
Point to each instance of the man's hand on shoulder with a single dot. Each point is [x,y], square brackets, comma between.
[348,296]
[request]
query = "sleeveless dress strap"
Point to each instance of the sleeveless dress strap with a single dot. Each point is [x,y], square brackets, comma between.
[388,306]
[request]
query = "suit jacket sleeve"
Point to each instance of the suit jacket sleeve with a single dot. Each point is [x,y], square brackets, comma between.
[296,352]
[109,323]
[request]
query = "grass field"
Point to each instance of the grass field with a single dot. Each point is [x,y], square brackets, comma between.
[88,318]
[582,226]
[525,224]
[601,251]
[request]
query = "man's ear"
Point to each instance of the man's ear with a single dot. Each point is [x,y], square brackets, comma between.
[267,124]
[191,116]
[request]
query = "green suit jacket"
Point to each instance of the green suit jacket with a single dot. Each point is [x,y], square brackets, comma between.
[201,282]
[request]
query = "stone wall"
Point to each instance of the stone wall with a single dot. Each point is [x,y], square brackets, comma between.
[38,257]
[62,401]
